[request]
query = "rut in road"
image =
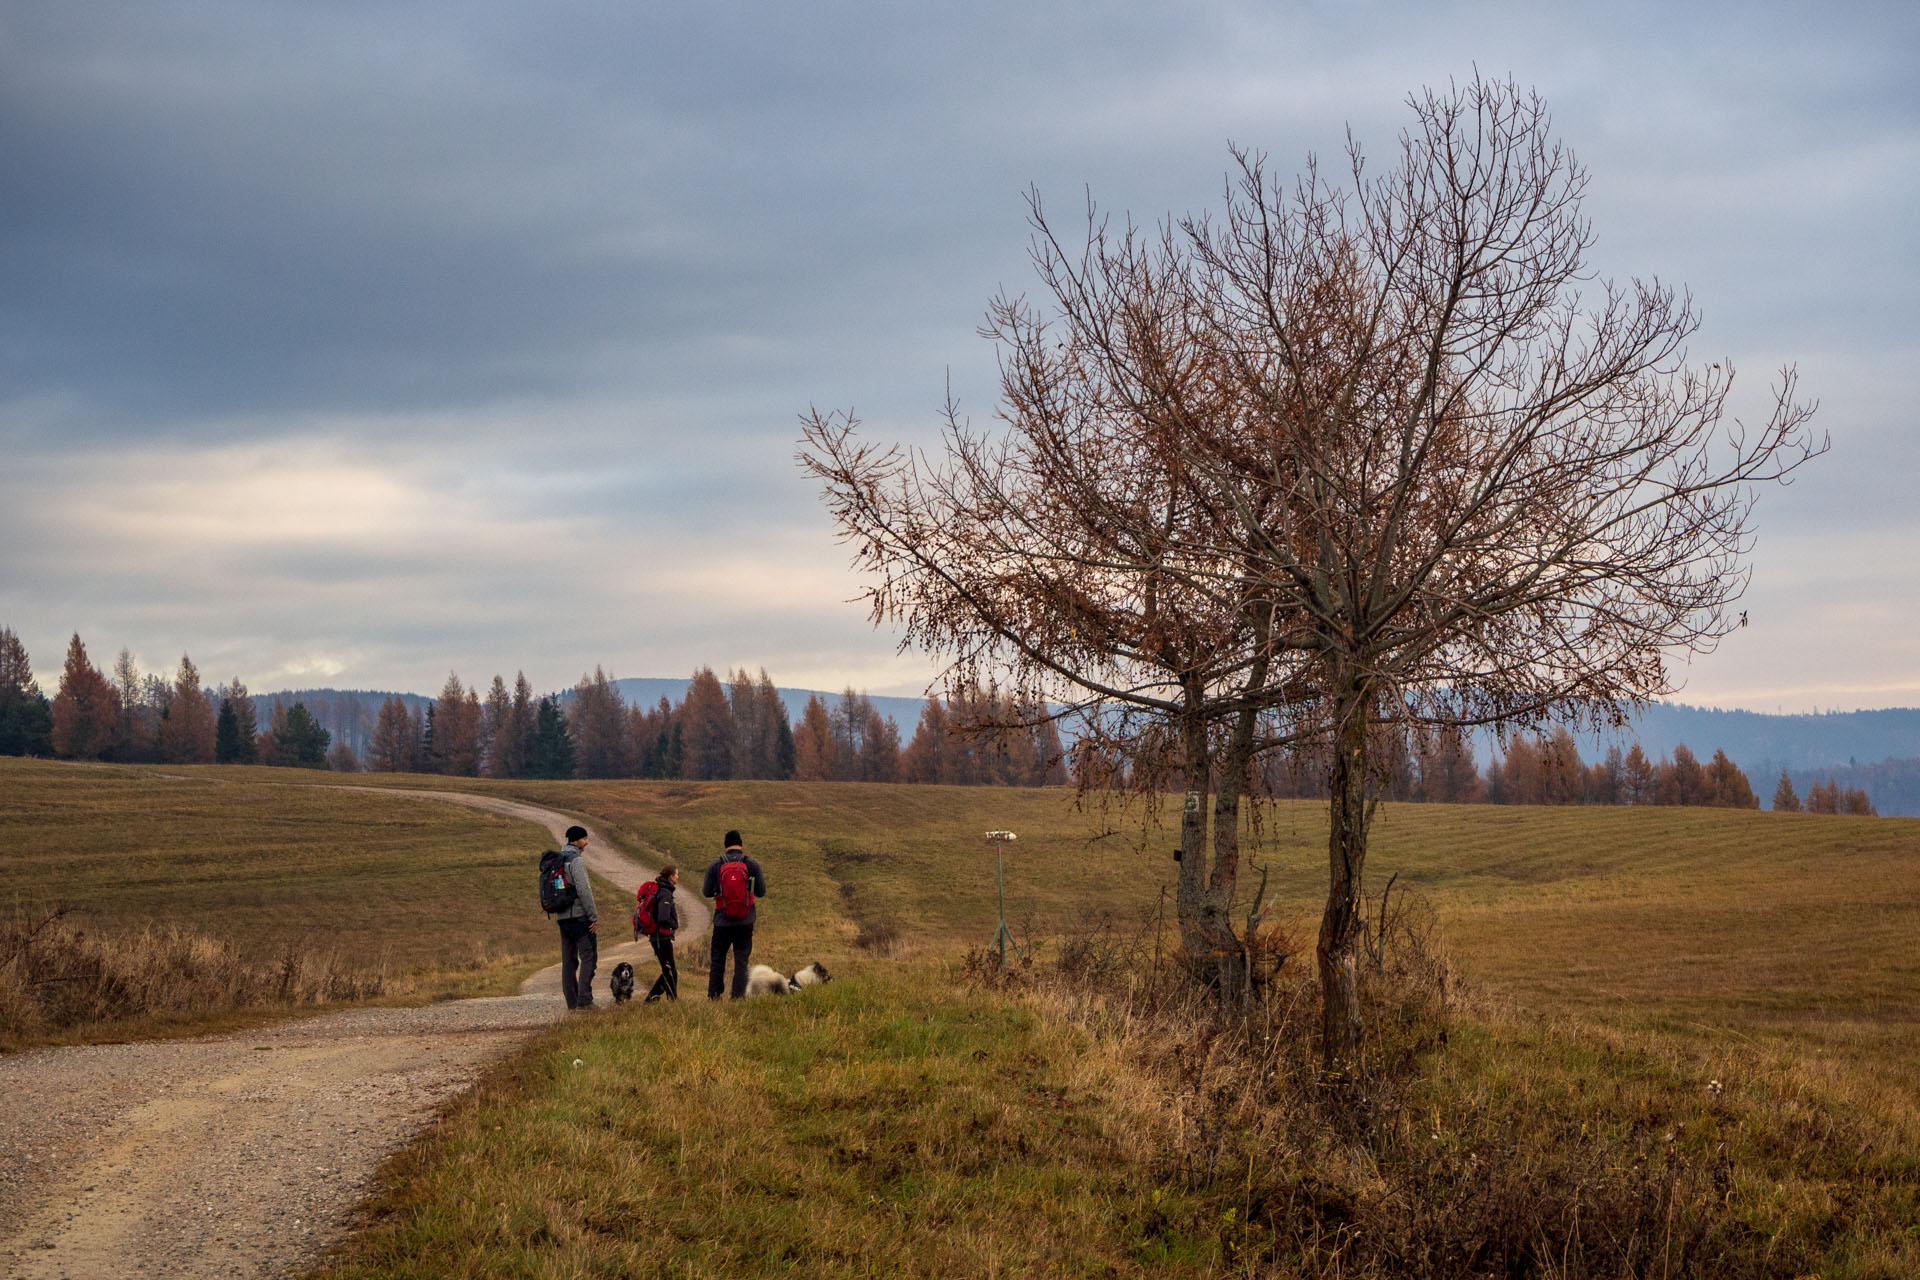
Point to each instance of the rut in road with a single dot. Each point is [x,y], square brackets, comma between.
[244,1155]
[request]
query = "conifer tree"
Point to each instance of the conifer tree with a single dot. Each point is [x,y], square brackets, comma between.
[295,740]
[392,748]
[707,729]
[189,729]
[1727,786]
[226,733]
[26,719]
[598,719]
[925,757]
[246,747]
[86,710]
[493,727]
[1637,782]
[552,755]
[816,754]
[1785,798]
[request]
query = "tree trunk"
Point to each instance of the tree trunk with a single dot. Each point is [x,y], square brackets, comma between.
[1338,949]
[1234,977]
[1205,896]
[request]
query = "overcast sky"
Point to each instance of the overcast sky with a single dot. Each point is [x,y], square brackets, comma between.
[353,343]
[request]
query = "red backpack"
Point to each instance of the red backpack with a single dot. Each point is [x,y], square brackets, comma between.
[735,900]
[643,907]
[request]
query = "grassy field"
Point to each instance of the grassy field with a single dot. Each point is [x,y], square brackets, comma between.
[1683,1043]
[1679,1042]
[429,899]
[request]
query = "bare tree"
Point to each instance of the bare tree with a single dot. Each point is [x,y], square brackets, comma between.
[1081,551]
[1376,453]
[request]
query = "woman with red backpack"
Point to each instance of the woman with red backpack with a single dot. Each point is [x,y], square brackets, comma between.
[665,920]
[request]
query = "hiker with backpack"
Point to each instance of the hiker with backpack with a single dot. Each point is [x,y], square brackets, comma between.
[733,881]
[656,916]
[567,898]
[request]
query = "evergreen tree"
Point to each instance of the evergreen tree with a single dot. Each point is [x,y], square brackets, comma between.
[246,725]
[785,751]
[1785,798]
[517,740]
[26,719]
[296,739]
[552,755]
[226,734]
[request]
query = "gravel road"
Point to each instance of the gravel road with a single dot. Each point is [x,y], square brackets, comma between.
[244,1155]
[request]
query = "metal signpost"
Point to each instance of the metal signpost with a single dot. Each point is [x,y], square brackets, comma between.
[999,840]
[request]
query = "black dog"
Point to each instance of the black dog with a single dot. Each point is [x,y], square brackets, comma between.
[622,982]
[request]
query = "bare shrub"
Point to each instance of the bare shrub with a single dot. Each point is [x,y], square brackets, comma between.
[55,976]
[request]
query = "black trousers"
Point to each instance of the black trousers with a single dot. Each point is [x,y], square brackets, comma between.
[738,937]
[579,950]
[668,983]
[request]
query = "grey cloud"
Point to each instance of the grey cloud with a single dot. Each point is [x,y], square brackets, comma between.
[598,257]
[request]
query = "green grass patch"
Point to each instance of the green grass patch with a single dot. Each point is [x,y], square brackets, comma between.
[890,1125]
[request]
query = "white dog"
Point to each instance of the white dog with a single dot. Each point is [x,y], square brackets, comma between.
[764,981]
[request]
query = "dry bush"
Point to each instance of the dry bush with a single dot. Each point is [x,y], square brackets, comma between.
[55,976]
[1440,1156]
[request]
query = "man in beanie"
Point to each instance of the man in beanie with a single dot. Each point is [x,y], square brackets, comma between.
[734,881]
[579,923]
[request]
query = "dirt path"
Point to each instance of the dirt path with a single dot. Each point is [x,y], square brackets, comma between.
[244,1155]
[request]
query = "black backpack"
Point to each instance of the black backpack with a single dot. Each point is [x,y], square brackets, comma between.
[556,883]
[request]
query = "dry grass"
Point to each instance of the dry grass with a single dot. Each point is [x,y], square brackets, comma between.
[56,978]
[162,867]
[1479,1142]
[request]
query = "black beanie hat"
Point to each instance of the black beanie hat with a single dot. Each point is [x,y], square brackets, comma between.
[575,833]
[733,840]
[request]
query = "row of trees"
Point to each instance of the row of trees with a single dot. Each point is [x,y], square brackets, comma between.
[141,718]
[739,729]
[736,728]
[1822,797]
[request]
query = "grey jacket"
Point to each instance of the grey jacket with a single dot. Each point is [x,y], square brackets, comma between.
[582,908]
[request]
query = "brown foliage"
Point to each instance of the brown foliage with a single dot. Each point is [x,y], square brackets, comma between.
[187,729]
[86,710]
[1350,453]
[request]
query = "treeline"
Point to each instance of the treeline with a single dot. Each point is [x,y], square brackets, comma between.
[136,717]
[737,728]
[1546,769]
